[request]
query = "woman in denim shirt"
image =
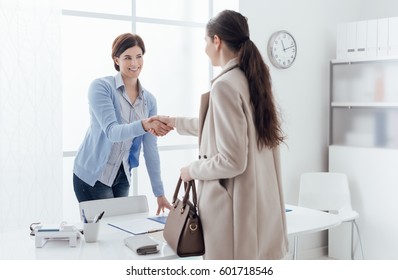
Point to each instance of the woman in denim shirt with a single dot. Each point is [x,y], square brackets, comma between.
[120,114]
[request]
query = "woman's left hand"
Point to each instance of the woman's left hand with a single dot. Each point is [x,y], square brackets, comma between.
[162,204]
[184,174]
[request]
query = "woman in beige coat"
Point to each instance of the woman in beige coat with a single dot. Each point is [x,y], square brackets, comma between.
[241,201]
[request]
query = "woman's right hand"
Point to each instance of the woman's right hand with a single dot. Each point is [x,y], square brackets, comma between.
[163,203]
[169,121]
[155,126]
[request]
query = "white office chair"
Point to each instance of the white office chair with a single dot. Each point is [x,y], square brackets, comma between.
[330,192]
[114,206]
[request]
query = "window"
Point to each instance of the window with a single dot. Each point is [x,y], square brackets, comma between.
[176,71]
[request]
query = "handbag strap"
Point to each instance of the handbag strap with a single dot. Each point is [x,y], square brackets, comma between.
[177,190]
[187,187]
[194,197]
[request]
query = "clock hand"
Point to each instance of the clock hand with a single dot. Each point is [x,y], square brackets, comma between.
[288,48]
[283,46]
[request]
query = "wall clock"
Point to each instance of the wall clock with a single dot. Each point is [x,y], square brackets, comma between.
[282,49]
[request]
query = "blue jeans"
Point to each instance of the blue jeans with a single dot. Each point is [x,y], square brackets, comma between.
[84,191]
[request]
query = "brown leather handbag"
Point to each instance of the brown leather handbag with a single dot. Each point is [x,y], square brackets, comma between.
[183,229]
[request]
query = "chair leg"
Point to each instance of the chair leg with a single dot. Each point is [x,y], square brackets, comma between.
[295,247]
[352,240]
[359,238]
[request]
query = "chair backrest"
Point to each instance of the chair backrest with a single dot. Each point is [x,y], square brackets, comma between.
[114,206]
[325,191]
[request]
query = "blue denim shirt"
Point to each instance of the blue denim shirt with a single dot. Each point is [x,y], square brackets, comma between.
[106,127]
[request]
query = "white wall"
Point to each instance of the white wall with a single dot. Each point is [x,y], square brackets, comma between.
[379,9]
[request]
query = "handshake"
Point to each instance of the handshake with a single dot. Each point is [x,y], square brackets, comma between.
[158,125]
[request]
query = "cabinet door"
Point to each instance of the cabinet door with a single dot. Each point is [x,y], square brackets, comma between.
[373,181]
[374,81]
[365,127]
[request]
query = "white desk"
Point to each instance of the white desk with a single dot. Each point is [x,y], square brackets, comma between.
[19,245]
[110,246]
[304,220]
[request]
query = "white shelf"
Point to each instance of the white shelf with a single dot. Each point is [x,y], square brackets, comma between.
[364,104]
[359,60]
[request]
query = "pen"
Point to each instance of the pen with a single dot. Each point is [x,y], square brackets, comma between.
[148,231]
[99,217]
[84,216]
[154,230]
[96,218]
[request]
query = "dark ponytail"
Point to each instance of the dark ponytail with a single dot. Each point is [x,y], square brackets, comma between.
[233,29]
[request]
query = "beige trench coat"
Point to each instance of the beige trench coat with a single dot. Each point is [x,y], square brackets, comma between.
[241,202]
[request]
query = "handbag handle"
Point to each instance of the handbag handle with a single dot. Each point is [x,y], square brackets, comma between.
[187,190]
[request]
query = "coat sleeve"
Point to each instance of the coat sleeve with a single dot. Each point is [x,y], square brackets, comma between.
[187,126]
[230,127]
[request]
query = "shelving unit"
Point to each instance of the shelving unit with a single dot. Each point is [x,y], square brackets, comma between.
[364,103]
[363,143]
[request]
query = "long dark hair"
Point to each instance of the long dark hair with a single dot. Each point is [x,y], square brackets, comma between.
[233,29]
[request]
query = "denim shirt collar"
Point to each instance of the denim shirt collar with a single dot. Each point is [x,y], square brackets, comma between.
[119,84]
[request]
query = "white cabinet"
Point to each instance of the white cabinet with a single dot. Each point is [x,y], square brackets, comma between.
[364,145]
[373,180]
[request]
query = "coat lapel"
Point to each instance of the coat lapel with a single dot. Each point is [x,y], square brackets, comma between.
[204,106]
[204,101]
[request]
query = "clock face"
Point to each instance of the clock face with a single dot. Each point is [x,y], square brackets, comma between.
[282,49]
